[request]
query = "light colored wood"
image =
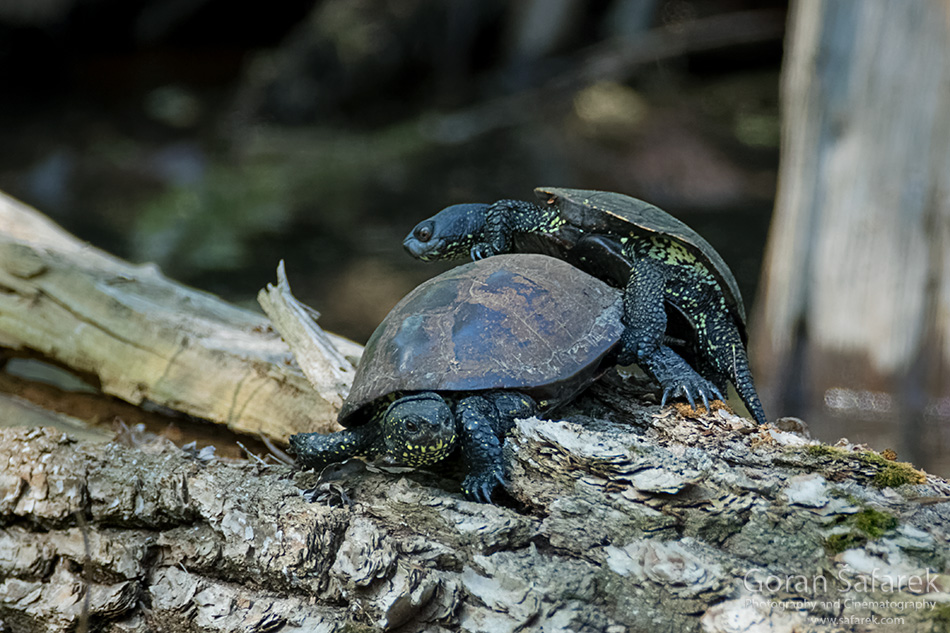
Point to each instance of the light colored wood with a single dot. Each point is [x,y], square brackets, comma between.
[328,368]
[146,338]
[857,274]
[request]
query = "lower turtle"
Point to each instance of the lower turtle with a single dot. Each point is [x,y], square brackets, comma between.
[463,356]
[667,271]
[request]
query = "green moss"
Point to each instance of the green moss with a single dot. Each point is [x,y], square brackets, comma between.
[940,615]
[837,543]
[823,450]
[897,474]
[871,458]
[874,523]
[865,525]
[890,474]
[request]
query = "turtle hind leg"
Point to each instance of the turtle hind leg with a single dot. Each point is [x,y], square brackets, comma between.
[678,379]
[316,450]
[642,339]
[719,350]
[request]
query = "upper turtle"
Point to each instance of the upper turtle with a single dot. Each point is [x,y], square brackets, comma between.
[608,212]
[669,274]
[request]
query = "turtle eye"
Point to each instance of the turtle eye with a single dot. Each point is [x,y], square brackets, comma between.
[423,232]
[412,427]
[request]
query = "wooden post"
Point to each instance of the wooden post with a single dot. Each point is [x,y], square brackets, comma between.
[856,287]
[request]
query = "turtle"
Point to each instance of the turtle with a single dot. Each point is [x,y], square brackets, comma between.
[676,286]
[463,355]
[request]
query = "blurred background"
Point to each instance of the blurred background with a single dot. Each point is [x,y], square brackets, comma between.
[216,138]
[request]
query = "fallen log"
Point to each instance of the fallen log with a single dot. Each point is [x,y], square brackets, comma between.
[660,523]
[144,338]
[621,516]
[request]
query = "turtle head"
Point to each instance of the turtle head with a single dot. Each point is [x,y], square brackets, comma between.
[419,430]
[449,234]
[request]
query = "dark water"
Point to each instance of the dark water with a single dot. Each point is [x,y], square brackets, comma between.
[321,132]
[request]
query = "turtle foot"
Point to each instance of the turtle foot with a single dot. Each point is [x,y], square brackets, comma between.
[678,379]
[692,388]
[480,486]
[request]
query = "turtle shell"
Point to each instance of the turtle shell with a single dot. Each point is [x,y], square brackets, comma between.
[595,211]
[522,321]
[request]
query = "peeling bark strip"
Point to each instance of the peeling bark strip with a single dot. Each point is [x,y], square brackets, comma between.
[327,368]
[671,524]
[146,338]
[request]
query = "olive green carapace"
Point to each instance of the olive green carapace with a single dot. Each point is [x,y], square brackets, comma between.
[676,286]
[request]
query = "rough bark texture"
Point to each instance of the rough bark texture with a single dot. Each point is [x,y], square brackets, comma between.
[146,338]
[857,278]
[621,517]
[651,522]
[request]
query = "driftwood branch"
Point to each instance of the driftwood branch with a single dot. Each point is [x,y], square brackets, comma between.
[326,367]
[143,337]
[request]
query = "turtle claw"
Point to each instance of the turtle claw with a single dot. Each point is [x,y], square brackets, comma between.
[678,379]
[689,396]
[481,251]
[705,390]
[480,487]
[705,401]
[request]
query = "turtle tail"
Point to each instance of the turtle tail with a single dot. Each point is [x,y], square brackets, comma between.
[742,379]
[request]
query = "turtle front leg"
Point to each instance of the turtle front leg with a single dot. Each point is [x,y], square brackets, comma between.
[484,420]
[496,235]
[642,338]
[508,221]
[316,450]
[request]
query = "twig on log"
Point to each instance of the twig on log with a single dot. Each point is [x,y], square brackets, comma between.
[330,370]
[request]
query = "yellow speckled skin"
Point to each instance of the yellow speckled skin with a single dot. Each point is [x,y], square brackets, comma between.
[664,267]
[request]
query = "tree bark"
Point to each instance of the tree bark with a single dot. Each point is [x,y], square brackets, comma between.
[656,523]
[857,276]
